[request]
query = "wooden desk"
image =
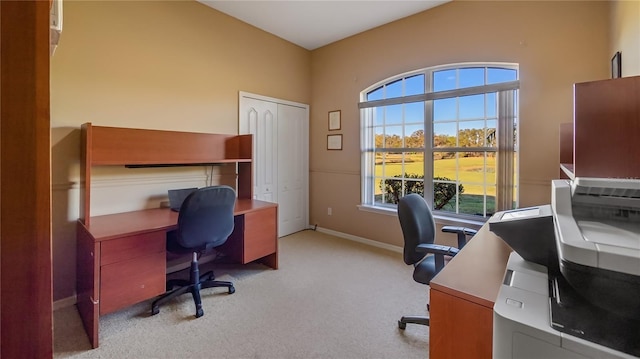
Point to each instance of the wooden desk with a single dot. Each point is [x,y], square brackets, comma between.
[122,258]
[462,297]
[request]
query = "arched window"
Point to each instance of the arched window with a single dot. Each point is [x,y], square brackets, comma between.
[449,133]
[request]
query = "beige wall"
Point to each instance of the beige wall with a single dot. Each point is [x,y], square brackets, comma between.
[625,34]
[556,43]
[154,64]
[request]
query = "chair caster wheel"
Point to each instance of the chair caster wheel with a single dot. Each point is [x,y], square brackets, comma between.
[402,325]
[155,310]
[232,290]
[199,313]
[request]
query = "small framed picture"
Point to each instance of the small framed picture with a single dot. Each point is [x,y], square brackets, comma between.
[334,142]
[616,65]
[334,120]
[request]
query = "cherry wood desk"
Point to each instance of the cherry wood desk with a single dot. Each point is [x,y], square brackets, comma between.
[122,257]
[462,297]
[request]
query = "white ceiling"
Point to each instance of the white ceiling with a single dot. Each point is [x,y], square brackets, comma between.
[312,23]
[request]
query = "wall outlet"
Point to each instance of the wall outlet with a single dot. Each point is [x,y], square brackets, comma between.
[329,211]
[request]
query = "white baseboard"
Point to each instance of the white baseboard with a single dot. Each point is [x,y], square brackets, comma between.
[361,240]
[64,302]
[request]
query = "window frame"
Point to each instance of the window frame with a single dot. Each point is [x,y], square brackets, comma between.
[368,144]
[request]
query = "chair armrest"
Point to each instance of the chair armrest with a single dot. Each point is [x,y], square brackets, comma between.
[437,249]
[462,232]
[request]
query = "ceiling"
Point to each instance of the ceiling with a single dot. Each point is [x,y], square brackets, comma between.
[312,23]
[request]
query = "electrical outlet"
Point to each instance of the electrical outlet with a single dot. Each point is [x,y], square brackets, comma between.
[329,211]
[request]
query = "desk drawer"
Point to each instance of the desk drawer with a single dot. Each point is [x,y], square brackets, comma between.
[125,248]
[132,281]
[260,234]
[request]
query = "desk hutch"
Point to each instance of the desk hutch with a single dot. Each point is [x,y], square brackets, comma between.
[131,245]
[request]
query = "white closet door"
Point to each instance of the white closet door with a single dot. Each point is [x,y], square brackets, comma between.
[280,132]
[291,168]
[259,119]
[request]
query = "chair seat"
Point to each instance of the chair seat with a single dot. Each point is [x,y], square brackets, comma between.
[425,270]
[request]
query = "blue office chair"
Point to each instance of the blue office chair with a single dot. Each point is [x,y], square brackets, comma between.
[420,250]
[205,221]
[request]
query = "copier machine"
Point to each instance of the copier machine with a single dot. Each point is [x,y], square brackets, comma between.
[572,284]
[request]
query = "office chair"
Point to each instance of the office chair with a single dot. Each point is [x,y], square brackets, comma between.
[428,258]
[205,221]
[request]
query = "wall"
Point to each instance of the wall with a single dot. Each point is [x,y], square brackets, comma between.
[555,43]
[174,65]
[625,35]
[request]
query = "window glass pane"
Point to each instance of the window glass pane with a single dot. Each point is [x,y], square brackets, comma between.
[393,114]
[491,105]
[477,177]
[471,77]
[393,137]
[444,134]
[444,80]
[414,136]
[445,195]
[376,94]
[496,75]
[414,85]
[444,109]
[414,165]
[490,134]
[471,134]
[471,107]
[445,166]
[394,89]
[414,112]
[379,136]
[380,162]
[378,116]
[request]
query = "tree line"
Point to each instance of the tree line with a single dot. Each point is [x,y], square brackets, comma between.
[466,138]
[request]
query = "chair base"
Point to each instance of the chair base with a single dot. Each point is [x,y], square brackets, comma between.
[195,283]
[402,323]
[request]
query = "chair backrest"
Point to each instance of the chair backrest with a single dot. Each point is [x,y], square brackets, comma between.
[418,226]
[206,218]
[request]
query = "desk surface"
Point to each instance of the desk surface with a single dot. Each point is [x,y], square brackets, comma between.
[476,273]
[137,222]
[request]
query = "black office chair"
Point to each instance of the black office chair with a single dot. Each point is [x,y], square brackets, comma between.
[205,221]
[419,231]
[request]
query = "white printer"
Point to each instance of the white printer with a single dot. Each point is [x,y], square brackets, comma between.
[572,286]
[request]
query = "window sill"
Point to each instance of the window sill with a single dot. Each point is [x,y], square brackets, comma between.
[439,218]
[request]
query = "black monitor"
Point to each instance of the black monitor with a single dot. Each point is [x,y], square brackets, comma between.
[177,196]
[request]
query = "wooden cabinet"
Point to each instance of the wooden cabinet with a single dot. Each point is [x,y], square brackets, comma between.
[462,297]
[253,237]
[606,129]
[131,270]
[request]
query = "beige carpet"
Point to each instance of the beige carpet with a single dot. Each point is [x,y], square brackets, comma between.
[331,298]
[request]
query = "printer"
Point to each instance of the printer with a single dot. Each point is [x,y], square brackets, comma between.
[572,284]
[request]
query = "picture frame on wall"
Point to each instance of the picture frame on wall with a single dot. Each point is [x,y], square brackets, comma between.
[334,142]
[334,120]
[616,65]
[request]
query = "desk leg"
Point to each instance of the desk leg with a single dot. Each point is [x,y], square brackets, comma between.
[88,282]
